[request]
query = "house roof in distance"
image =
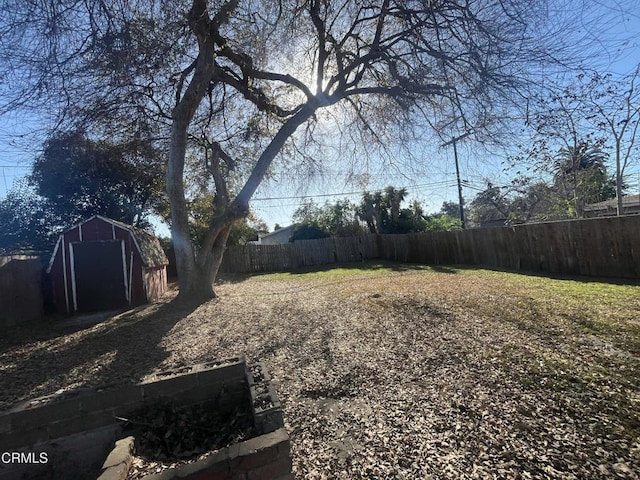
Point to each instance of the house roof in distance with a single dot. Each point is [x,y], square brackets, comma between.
[628,201]
[280,230]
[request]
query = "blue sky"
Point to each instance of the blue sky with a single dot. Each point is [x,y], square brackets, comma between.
[432,180]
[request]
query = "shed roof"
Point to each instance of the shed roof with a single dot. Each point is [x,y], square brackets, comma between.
[150,249]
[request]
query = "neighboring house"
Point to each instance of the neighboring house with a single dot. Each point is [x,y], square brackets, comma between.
[609,208]
[493,223]
[103,264]
[277,237]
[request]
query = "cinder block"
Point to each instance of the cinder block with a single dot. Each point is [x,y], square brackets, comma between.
[221,363]
[269,420]
[256,452]
[122,412]
[197,395]
[41,415]
[5,423]
[112,397]
[172,372]
[168,387]
[24,471]
[223,384]
[225,373]
[80,423]
[214,467]
[263,441]
[249,460]
[279,468]
[233,450]
[98,439]
[231,398]
[75,454]
[284,448]
[23,438]
[239,475]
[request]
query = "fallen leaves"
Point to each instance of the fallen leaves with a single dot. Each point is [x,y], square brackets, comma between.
[167,436]
[402,374]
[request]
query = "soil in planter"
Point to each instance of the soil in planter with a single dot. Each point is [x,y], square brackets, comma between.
[168,436]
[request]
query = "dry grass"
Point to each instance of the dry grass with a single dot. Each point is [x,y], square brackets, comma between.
[395,371]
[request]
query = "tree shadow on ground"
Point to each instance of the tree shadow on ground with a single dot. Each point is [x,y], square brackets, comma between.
[557,276]
[123,348]
[367,266]
[444,269]
[384,265]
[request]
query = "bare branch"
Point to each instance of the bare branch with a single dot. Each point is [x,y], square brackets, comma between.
[323,54]
[183,76]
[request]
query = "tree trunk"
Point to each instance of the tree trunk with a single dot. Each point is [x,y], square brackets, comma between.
[198,267]
[184,251]
[197,279]
[193,279]
[618,179]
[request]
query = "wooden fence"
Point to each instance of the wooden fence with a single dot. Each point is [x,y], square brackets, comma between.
[20,290]
[254,258]
[608,247]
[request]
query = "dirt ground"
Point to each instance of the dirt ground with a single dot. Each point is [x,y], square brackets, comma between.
[392,371]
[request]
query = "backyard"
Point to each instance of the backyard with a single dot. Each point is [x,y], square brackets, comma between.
[392,371]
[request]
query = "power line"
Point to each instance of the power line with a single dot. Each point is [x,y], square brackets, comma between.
[473,187]
[278,206]
[420,187]
[444,183]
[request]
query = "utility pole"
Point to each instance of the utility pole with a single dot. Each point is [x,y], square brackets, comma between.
[455,155]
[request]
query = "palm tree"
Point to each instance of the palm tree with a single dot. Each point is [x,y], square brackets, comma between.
[392,199]
[581,177]
[367,212]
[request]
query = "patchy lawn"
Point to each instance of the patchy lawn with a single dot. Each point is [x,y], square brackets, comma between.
[394,371]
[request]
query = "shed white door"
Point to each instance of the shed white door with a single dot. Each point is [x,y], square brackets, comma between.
[99,276]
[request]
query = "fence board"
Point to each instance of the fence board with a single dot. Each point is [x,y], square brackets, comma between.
[21,297]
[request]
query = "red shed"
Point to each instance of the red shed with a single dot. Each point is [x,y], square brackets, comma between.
[104,264]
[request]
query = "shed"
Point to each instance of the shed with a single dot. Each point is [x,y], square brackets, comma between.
[103,264]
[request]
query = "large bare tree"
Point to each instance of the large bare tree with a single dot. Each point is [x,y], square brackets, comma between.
[235,80]
[614,108]
[593,114]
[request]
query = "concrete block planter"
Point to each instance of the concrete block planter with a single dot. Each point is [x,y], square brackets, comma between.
[83,432]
